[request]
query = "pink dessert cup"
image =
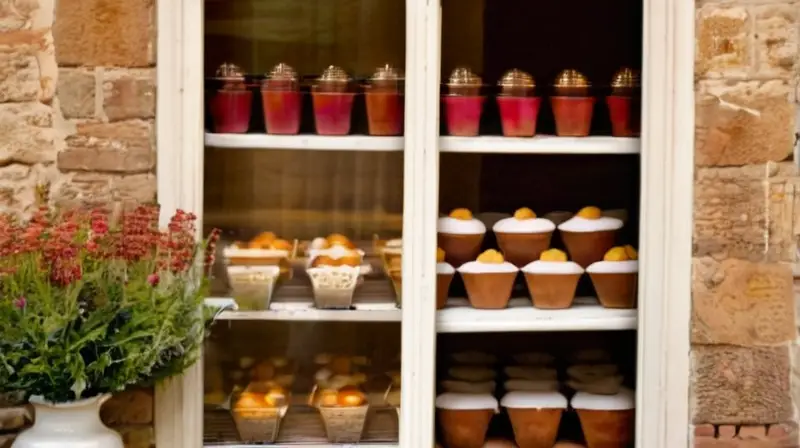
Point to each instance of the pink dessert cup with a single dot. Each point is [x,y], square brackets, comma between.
[625,114]
[281,111]
[333,112]
[573,115]
[518,115]
[384,113]
[463,114]
[231,110]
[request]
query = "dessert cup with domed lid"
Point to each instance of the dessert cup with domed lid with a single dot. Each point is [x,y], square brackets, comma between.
[463,103]
[519,107]
[572,104]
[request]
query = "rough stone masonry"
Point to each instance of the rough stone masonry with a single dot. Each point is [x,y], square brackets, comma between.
[77,103]
[746,225]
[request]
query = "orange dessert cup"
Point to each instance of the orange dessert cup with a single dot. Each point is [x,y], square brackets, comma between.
[535,417]
[523,237]
[588,235]
[460,235]
[552,280]
[465,418]
[615,278]
[608,421]
[489,280]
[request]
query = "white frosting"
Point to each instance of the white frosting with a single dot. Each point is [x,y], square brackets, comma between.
[490,218]
[468,387]
[445,268]
[552,267]
[318,243]
[531,385]
[558,217]
[460,226]
[477,267]
[474,357]
[579,224]
[465,402]
[514,225]
[622,401]
[472,373]
[613,267]
[534,400]
[531,373]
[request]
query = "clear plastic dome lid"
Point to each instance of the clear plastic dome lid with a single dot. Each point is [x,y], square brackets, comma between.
[230,72]
[334,74]
[282,72]
[572,79]
[387,73]
[516,79]
[625,78]
[463,76]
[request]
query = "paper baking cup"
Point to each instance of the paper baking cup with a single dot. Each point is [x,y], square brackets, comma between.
[607,429]
[552,291]
[489,291]
[252,286]
[258,425]
[535,428]
[587,247]
[465,428]
[523,248]
[333,286]
[460,249]
[616,290]
[442,289]
[344,424]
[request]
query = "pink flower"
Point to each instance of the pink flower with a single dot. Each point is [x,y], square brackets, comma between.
[20,303]
[153,279]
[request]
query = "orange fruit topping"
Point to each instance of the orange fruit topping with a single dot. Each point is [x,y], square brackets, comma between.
[439,255]
[553,255]
[590,213]
[616,254]
[631,252]
[491,256]
[524,213]
[461,213]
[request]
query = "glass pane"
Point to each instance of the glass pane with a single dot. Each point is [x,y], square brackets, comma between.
[539,202]
[304,175]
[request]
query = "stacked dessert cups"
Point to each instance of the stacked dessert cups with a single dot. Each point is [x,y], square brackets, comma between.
[552,280]
[463,103]
[489,280]
[332,98]
[465,418]
[624,103]
[384,99]
[572,104]
[519,107]
[340,400]
[254,269]
[615,278]
[280,95]
[231,104]
[523,236]
[334,268]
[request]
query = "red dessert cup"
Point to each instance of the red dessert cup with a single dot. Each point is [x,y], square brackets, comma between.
[518,115]
[333,112]
[384,113]
[625,113]
[281,111]
[463,114]
[573,115]
[231,110]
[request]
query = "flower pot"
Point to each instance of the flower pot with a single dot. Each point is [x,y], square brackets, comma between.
[69,425]
[231,110]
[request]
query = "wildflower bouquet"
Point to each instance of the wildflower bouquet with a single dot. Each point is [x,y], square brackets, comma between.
[89,307]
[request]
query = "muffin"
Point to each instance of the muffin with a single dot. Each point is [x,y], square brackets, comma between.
[334,275]
[344,413]
[535,417]
[460,236]
[465,418]
[588,235]
[258,411]
[608,421]
[552,280]
[523,236]
[489,280]
[615,279]
[444,276]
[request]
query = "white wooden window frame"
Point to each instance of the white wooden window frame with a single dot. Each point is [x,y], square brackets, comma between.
[666,213]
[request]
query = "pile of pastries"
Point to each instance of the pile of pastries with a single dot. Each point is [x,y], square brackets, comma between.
[524,245]
[259,407]
[339,396]
[535,390]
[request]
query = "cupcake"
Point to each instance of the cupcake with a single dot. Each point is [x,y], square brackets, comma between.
[465,418]
[391,253]
[552,280]
[489,280]
[523,236]
[607,420]
[615,279]
[444,276]
[254,269]
[460,236]
[535,417]
[588,235]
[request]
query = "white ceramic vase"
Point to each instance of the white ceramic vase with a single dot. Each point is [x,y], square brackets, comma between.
[68,425]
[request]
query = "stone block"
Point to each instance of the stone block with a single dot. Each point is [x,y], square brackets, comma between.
[129,94]
[18,187]
[134,188]
[17,16]
[131,407]
[740,385]
[740,123]
[781,435]
[122,147]
[742,303]
[105,33]
[76,92]
[19,69]
[723,46]
[27,133]
[82,189]
[776,40]
[748,212]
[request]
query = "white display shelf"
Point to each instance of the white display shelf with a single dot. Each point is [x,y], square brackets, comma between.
[305,142]
[314,445]
[541,144]
[586,314]
[313,314]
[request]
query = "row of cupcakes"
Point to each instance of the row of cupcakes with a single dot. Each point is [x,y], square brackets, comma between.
[572,103]
[332,94]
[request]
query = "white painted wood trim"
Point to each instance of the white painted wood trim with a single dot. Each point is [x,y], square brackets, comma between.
[666,225]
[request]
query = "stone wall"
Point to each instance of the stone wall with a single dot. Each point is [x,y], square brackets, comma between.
[77,102]
[746,225]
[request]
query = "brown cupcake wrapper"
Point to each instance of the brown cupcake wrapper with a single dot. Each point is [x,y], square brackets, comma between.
[489,291]
[587,247]
[552,291]
[616,290]
[442,289]
[535,428]
[460,249]
[258,425]
[465,428]
[344,424]
[607,429]
[523,248]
